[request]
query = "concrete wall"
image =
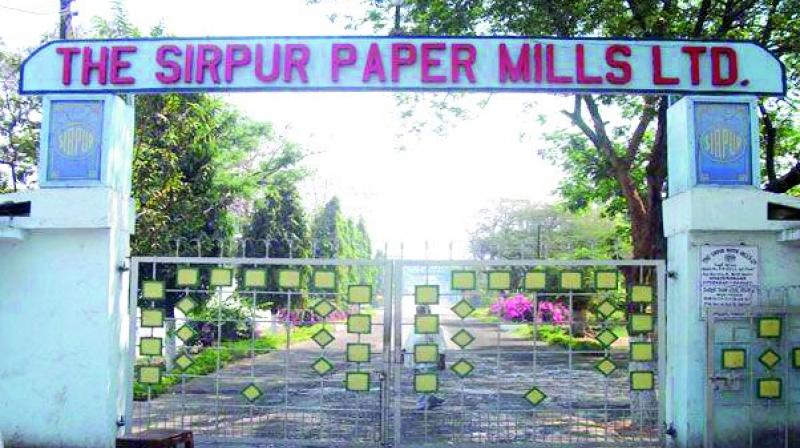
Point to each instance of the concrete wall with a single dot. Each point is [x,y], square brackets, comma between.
[64,327]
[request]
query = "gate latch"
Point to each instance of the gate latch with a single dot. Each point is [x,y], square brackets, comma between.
[727,383]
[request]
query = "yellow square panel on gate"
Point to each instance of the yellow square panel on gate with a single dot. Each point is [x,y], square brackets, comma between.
[605,280]
[769,327]
[359,294]
[571,280]
[358,352]
[289,278]
[640,323]
[359,323]
[462,280]
[642,294]
[153,290]
[152,318]
[187,277]
[357,381]
[535,280]
[150,346]
[796,357]
[426,353]
[769,388]
[734,358]
[642,380]
[499,280]
[426,383]
[221,277]
[426,324]
[426,294]
[255,278]
[149,374]
[325,279]
[641,351]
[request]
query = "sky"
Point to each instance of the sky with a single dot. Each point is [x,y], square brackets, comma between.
[428,194]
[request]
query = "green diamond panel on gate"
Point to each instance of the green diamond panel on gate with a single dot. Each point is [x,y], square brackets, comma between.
[186,333]
[462,368]
[323,337]
[606,338]
[462,338]
[534,396]
[606,309]
[605,366]
[323,308]
[463,309]
[186,305]
[184,362]
[252,393]
[769,358]
[322,366]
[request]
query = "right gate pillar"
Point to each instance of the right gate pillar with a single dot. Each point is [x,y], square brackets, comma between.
[726,241]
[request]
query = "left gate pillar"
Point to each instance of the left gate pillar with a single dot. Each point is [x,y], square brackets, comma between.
[64,313]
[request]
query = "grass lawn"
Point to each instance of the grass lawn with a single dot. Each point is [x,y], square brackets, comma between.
[205,362]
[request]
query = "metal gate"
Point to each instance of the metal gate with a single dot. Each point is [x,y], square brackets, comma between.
[752,395]
[322,352]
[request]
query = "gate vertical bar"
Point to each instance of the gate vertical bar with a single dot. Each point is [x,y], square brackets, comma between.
[397,302]
[132,299]
[388,316]
[661,297]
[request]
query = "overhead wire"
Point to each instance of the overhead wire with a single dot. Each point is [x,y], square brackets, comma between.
[28,11]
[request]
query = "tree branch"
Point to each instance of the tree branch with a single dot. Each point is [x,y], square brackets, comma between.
[637,15]
[702,15]
[602,136]
[577,119]
[770,141]
[785,182]
[638,134]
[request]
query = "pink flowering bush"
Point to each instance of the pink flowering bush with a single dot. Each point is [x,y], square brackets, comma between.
[519,308]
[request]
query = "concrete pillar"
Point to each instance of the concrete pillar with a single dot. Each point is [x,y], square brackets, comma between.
[64,312]
[714,199]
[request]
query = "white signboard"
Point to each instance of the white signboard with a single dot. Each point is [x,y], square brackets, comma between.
[403,63]
[728,276]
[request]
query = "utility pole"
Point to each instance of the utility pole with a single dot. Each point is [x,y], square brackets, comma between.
[396,31]
[65,12]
